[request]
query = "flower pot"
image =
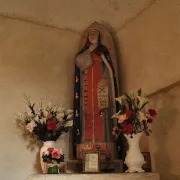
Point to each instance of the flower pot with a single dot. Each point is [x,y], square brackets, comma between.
[53,170]
[46,145]
[134,158]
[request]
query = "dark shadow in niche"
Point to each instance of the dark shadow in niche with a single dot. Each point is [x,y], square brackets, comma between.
[165,120]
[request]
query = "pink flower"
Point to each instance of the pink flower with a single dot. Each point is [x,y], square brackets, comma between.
[56,154]
[49,115]
[30,126]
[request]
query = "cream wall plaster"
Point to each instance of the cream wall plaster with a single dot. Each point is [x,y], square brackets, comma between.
[149,48]
[75,15]
[164,142]
[38,61]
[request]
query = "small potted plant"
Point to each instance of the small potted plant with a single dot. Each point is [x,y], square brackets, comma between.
[53,157]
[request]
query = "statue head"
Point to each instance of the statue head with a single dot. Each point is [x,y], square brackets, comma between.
[93,36]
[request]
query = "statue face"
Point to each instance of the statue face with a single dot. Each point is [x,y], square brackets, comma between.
[93,36]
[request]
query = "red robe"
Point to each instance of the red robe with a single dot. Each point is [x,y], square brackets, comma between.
[93,119]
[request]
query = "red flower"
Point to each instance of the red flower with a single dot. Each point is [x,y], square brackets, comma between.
[149,120]
[152,112]
[128,128]
[50,150]
[128,113]
[56,154]
[51,125]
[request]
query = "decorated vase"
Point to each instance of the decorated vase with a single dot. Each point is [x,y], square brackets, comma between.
[46,145]
[134,158]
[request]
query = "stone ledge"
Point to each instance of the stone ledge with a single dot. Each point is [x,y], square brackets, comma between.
[120,176]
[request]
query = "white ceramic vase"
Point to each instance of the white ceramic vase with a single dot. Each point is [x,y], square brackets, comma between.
[134,158]
[46,145]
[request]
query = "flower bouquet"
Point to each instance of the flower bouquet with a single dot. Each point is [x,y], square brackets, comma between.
[53,157]
[133,120]
[46,123]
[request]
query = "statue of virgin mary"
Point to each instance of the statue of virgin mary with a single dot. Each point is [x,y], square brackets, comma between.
[95,88]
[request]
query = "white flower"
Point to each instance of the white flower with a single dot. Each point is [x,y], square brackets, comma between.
[54,108]
[49,105]
[36,118]
[116,115]
[141,116]
[69,116]
[30,126]
[61,109]
[69,123]
[45,113]
[60,116]
[29,113]
[69,111]
[142,101]
[120,99]
[120,117]
[42,121]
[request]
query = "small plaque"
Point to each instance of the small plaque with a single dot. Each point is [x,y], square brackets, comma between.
[91,162]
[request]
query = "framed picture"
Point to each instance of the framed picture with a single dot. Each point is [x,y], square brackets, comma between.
[91,162]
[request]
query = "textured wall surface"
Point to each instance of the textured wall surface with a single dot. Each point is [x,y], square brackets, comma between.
[149,48]
[164,143]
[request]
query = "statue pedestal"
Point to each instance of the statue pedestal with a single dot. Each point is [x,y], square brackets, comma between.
[106,149]
[113,166]
[113,176]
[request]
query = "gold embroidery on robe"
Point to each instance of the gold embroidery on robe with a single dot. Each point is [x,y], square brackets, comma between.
[103,94]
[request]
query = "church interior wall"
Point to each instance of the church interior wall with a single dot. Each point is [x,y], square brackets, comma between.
[38,42]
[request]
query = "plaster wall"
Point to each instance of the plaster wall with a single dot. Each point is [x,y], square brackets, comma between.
[32,60]
[149,47]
